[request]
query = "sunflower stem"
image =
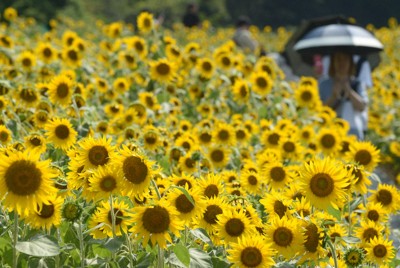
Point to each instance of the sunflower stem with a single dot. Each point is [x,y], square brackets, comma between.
[128,241]
[15,240]
[349,215]
[81,246]
[112,216]
[160,263]
[332,247]
[156,188]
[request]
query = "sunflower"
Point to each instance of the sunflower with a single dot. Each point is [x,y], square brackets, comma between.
[312,245]
[61,133]
[251,251]
[120,214]
[72,56]
[233,225]
[183,180]
[25,181]
[302,207]
[127,58]
[188,163]
[307,96]
[285,236]
[360,181]
[121,85]
[46,217]
[275,204]
[137,170]
[27,60]
[60,90]
[113,109]
[214,207]
[368,230]
[145,22]
[155,223]
[105,181]
[139,45]
[386,195]
[270,138]
[219,156]
[35,142]
[323,182]
[46,52]
[380,251]
[205,67]
[224,134]
[375,212]
[95,152]
[251,182]
[290,147]
[28,97]
[204,136]
[162,70]
[276,175]
[261,83]
[328,141]
[364,153]
[354,257]
[5,135]
[211,185]
[336,233]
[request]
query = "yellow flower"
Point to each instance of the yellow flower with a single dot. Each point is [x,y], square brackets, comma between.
[365,154]
[380,251]
[10,13]
[233,225]
[261,83]
[386,195]
[60,90]
[145,22]
[5,135]
[60,133]
[162,70]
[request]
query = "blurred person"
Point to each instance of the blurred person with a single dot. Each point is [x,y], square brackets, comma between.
[243,37]
[191,17]
[343,92]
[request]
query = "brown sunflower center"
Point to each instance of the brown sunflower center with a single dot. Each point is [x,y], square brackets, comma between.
[189,163]
[35,141]
[47,52]
[363,157]
[3,136]
[328,141]
[211,191]
[226,61]
[62,90]
[273,139]
[206,66]
[98,155]
[47,211]
[380,251]
[27,62]
[129,59]
[163,69]
[373,215]
[353,257]
[312,238]
[251,257]
[234,227]
[261,82]
[306,95]
[279,208]
[205,137]
[147,23]
[384,197]
[217,156]
[156,220]
[289,147]
[321,185]
[139,46]
[369,233]
[277,174]
[150,139]
[28,95]
[183,205]
[117,214]
[252,180]
[135,169]
[283,236]
[72,55]
[211,213]
[22,177]
[186,145]
[108,183]
[62,132]
[183,182]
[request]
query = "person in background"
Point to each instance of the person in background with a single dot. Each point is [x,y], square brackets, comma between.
[243,37]
[343,92]
[191,17]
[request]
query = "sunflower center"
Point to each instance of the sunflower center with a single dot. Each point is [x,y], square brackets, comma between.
[150,140]
[252,180]
[328,141]
[279,208]
[26,62]
[62,90]
[305,135]
[184,182]
[129,59]
[189,163]
[205,137]
[384,197]
[312,238]
[183,205]
[211,213]
[186,145]
[156,220]
[98,155]
[251,257]
[261,82]
[363,157]
[380,251]
[35,141]
[3,136]
[373,215]
[277,174]
[353,257]
[28,95]
[217,156]
[206,66]
[135,169]
[118,216]
[234,227]
[147,23]
[240,134]
[306,95]
[321,185]
[23,177]
[369,233]
[47,211]
[211,191]
[226,61]
[47,52]
[345,147]
[243,91]
[72,55]
[163,69]
[273,138]
[283,236]
[62,132]
[108,183]
[139,46]
[223,135]
[358,175]
[289,147]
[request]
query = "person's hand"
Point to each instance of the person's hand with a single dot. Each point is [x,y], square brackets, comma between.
[337,89]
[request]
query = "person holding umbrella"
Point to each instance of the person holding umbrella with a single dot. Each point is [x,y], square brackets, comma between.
[344,93]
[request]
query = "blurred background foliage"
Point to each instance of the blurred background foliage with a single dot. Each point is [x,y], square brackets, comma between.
[220,12]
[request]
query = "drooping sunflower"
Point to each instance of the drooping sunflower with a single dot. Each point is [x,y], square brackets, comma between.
[368,230]
[25,181]
[323,182]
[120,214]
[136,168]
[251,251]
[145,22]
[380,251]
[312,245]
[365,154]
[95,152]
[5,135]
[105,181]
[46,217]
[155,223]
[261,83]
[162,70]
[60,90]
[285,236]
[61,133]
[233,225]
[386,195]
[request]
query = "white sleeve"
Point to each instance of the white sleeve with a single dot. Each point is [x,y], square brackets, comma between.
[365,74]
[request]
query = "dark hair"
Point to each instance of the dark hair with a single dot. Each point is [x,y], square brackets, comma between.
[243,21]
[332,71]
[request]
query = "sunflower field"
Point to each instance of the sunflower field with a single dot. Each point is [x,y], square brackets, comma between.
[126,146]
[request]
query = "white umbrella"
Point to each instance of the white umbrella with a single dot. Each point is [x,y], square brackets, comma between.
[338,37]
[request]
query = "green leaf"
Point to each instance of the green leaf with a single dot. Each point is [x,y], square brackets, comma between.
[182,253]
[201,234]
[334,212]
[263,112]
[199,259]
[39,246]
[113,244]
[351,239]
[144,260]
[220,263]
[4,243]
[186,193]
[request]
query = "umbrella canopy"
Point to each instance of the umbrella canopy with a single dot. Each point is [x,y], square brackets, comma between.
[338,37]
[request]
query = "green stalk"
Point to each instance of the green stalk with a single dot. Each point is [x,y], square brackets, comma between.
[112,217]
[160,257]
[81,246]
[332,247]
[15,240]
[128,241]
[156,188]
